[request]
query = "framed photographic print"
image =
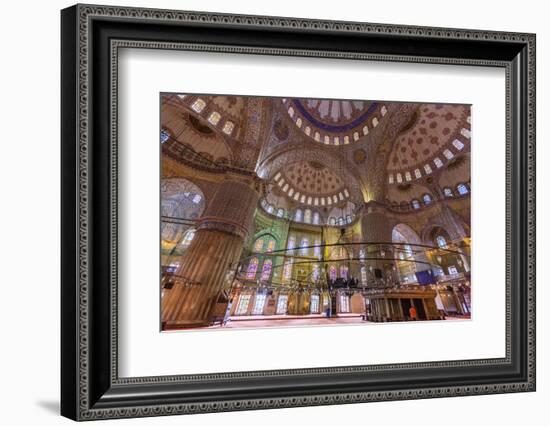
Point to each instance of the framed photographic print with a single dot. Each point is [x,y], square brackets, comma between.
[263,212]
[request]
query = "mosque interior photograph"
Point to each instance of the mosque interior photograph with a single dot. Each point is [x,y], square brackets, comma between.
[279,211]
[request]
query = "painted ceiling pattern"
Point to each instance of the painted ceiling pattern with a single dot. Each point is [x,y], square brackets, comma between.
[194,133]
[222,129]
[436,135]
[312,183]
[334,122]
[218,112]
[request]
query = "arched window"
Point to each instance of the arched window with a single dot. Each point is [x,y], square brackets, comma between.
[198,105]
[344,272]
[266,270]
[462,189]
[408,250]
[259,245]
[270,209]
[303,246]
[363,275]
[298,215]
[332,272]
[287,270]
[315,273]
[280,212]
[291,244]
[441,242]
[348,218]
[340,220]
[427,199]
[317,249]
[271,245]
[242,306]
[259,303]
[307,216]
[448,192]
[332,221]
[344,303]
[252,268]
[314,304]
[415,204]
[164,136]
[316,218]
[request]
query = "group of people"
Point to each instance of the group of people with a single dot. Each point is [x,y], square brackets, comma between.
[342,282]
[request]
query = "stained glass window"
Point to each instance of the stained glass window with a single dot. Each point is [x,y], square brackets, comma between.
[198,105]
[252,268]
[316,218]
[259,304]
[441,242]
[280,212]
[415,204]
[447,192]
[363,275]
[332,272]
[303,246]
[317,249]
[344,303]
[197,198]
[298,216]
[291,244]
[315,272]
[332,221]
[259,245]
[314,305]
[343,271]
[282,304]
[164,136]
[228,127]
[427,199]
[214,118]
[307,216]
[271,245]
[242,307]
[462,189]
[266,270]
[458,144]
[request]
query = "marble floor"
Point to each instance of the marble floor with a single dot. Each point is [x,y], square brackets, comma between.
[262,321]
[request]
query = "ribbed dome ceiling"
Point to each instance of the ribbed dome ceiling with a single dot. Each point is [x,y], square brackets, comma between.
[334,122]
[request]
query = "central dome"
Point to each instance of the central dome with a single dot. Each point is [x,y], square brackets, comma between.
[334,122]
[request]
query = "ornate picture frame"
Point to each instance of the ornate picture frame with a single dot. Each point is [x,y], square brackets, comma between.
[91,37]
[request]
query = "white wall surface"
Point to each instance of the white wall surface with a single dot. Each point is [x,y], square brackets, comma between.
[29,213]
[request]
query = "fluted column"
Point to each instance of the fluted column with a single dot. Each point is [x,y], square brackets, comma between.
[376,227]
[205,268]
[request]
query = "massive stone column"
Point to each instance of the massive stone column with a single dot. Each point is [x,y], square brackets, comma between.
[207,265]
[377,228]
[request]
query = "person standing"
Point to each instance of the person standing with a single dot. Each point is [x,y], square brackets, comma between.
[413,314]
